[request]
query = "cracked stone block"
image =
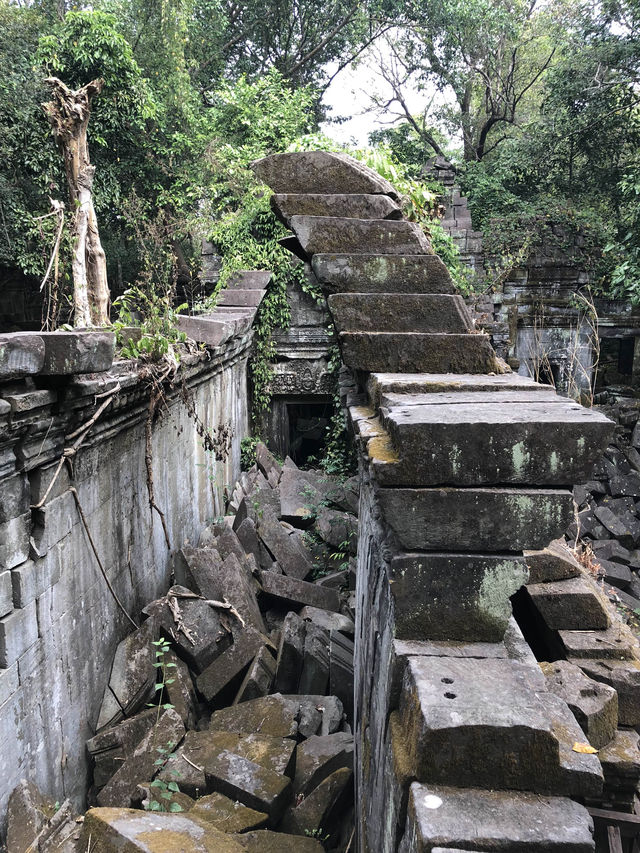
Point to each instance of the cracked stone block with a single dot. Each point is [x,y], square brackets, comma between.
[320,172]
[624,677]
[473,819]
[165,735]
[477,608]
[290,555]
[355,206]
[322,807]
[21,354]
[132,678]
[553,563]
[250,541]
[298,593]
[134,830]
[228,815]
[228,666]
[18,631]
[259,678]
[570,605]
[318,757]
[594,705]
[249,783]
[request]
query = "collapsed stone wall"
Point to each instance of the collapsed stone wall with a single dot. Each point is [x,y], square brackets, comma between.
[59,624]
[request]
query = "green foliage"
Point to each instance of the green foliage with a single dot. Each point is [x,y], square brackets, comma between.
[153,313]
[248,451]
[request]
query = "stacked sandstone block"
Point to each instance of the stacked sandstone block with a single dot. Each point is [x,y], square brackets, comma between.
[461,745]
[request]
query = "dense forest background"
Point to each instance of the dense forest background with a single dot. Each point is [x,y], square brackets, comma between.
[536,104]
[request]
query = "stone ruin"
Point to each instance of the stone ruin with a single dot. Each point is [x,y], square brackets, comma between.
[463,741]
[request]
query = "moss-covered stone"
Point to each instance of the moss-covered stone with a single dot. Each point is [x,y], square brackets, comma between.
[228,815]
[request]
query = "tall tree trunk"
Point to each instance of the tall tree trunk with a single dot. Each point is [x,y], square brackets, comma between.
[68,112]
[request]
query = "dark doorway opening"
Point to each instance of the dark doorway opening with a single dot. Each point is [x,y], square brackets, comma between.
[308,424]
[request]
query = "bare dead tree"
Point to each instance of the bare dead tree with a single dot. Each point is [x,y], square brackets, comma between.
[68,112]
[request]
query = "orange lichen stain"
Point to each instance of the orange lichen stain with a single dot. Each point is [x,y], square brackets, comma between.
[380,449]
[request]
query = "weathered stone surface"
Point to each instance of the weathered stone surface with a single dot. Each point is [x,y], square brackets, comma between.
[615,574]
[319,172]
[318,714]
[179,689]
[553,563]
[624,677]
[371,273]
[110,747]
[616,642]
[77,352]
[327,619]
[314,677]
[132,675]
[475,608]
[291,557]
[211,330]
[493,820]
[549,443]
[114,830]
[259,678]
[238,297]
[206,636]
[148,793]
[338,529]
[290,654]
[341,665]
[320,809]
[594,705]
[399,312]
[298,593]
[222,671]
[299,498]
[266,461]
[249,783]
[20,355]
[464,720]
[141,764]
[18,631]
[6,593]
[477,519]
[250,541]
[624,526]
[249,279]
[318,757]
[570,605]
[381,385]
[354,205]
[228,815]
[265,841]
[28,812]
[324,234]
[417,352]
[274,715]
[620,759]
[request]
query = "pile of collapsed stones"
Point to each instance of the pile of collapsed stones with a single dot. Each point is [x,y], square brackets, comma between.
[226,722]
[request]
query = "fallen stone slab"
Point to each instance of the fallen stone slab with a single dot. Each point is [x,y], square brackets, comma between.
[250,541]
[287,552]
[259,678]
[265,841]
[228,815]
[290,654]
[314,676]
[615,574]
[624,527]
[624,677]
[612,550]
[594,705]
[417,352]
[274,715]
[399,312]
[345,495]
[428,605]
[142,764]
[328,619]
[20,355]
[319,172]
[341,677]
[620,760]
[110,747]
[242,298]
[28,812]
[489,519]
[553,563]
[299,499]
[318,757]
[338,529]
[550,443]
[473,819]
[227,667]
[464,720]
[179,689]
[298,593]
[570,605]
[168,800]
[379,273]
[323,234]
[355,205]
[321,715]
[625,484]
[132,678]
[211,330]
[133,830]
[249,279]
[616,642]
[249,783]
[322,807]
[266,461]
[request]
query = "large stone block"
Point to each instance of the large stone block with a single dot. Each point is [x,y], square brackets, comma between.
[18,631]
[399,312]
[77,352]
[297,593]
[228,666]
[494,820]
[570,605]
[319,172]
[14,497]
[489,519]
[381,385]
[417,352]
[249,783]
[354,205]
[21,354]
[484,443]
[6,593]
[291,557]
[324,234]
[14,541]
[244,298]
[462,597]
[616,642]
[370,273]
[624,677]
[553,563]
[480,723]
[210,330]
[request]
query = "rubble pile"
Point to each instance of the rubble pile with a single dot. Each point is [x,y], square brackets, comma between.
[226,722]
